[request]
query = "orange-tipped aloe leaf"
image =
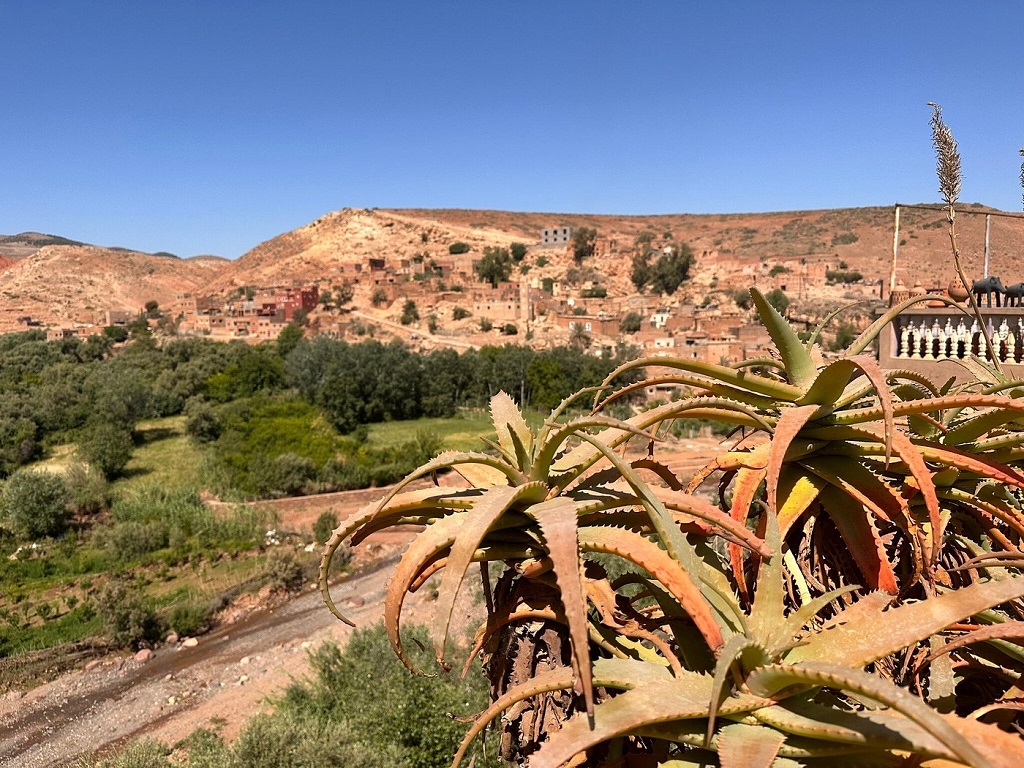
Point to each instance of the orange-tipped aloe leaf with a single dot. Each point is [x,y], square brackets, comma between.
[1004,512]
[982,465]
[769,680]
[862,342]
[931,405]
[546,454]
[485,512]
[859,532]
[656,561]
[434,541]
[784,634]
[870,636]
[791,421]
[704,385]
[697,507]
[508,420]
[744,489]
[748,746]
[799,366]
[859,483]
[978,426]
[557,520]
[411,500]
[450,460]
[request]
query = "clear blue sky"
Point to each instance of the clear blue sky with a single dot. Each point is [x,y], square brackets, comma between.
[207,127]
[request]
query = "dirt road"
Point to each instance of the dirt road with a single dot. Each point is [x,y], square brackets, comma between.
[221,681]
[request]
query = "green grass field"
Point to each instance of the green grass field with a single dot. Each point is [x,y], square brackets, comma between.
[460,433]
[165,457]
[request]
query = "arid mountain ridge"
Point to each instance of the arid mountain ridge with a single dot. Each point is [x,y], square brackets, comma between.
[55,280]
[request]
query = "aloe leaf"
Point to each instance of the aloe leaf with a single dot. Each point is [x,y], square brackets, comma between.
[557,520]
[768,609]
[748,746]
[631,711]
[433,541]
[485,512]
[1005,513]
[408,501]
[744,489]
[710,386]
[695,506]
[868,637]
[761,385]
[620,674]
[769,680]
[798,490]
[677,579]
[1009,630]
[782,635]
[550,448]
[791,421]
[861,536]
[859,483]
[728,656]
[508,420]
[877,729]
[799,366]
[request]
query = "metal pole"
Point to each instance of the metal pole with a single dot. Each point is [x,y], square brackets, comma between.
[895,250]
[988,229]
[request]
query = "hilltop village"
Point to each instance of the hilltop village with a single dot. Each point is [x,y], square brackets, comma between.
[465,301]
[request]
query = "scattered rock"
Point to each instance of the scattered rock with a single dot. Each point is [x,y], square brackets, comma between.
[94,664]
[168,677]
[172,638]
[189,642]
[172,700]
[356,601]
[144,655]
[243,679]
[13,695]
[306,644]
[244,660]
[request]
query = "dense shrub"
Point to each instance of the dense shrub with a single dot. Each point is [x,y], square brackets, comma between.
[283,571]
[36,503]
[127,619]
[106,447]
[460,313]
[190,618]
[457,248]
[324,526]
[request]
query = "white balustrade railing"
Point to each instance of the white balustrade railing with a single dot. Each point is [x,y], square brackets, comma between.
[930,339]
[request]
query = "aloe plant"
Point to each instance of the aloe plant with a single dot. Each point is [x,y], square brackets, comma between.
[852,459]
[533,505]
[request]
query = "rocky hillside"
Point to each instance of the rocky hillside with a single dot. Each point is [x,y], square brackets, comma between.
[55,280]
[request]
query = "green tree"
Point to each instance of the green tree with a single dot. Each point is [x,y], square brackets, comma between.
[106,447]
[409,313]
[460,313]
[289,338]
[584,240]
[36,503]
[343,293]
[457,248]
[672,269]
[379,297]
[495,266]
[116,333]
[631,322]
[779,300]
[152,309]
[640,271]
[518,251]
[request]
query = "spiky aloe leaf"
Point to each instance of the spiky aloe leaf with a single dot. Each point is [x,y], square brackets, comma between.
[634,710]
[748,746]
[862,538]
[768,608]
[677,579]
[769,680]
[862,342]
[782,636]
[868,638]
[729,656]
[791,421]
[799,365]
[618,674]
[1009,630]
[744,489]
[798,491]
[407,502]
[433,541]
[557,520]
[486,510]
[508,422]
